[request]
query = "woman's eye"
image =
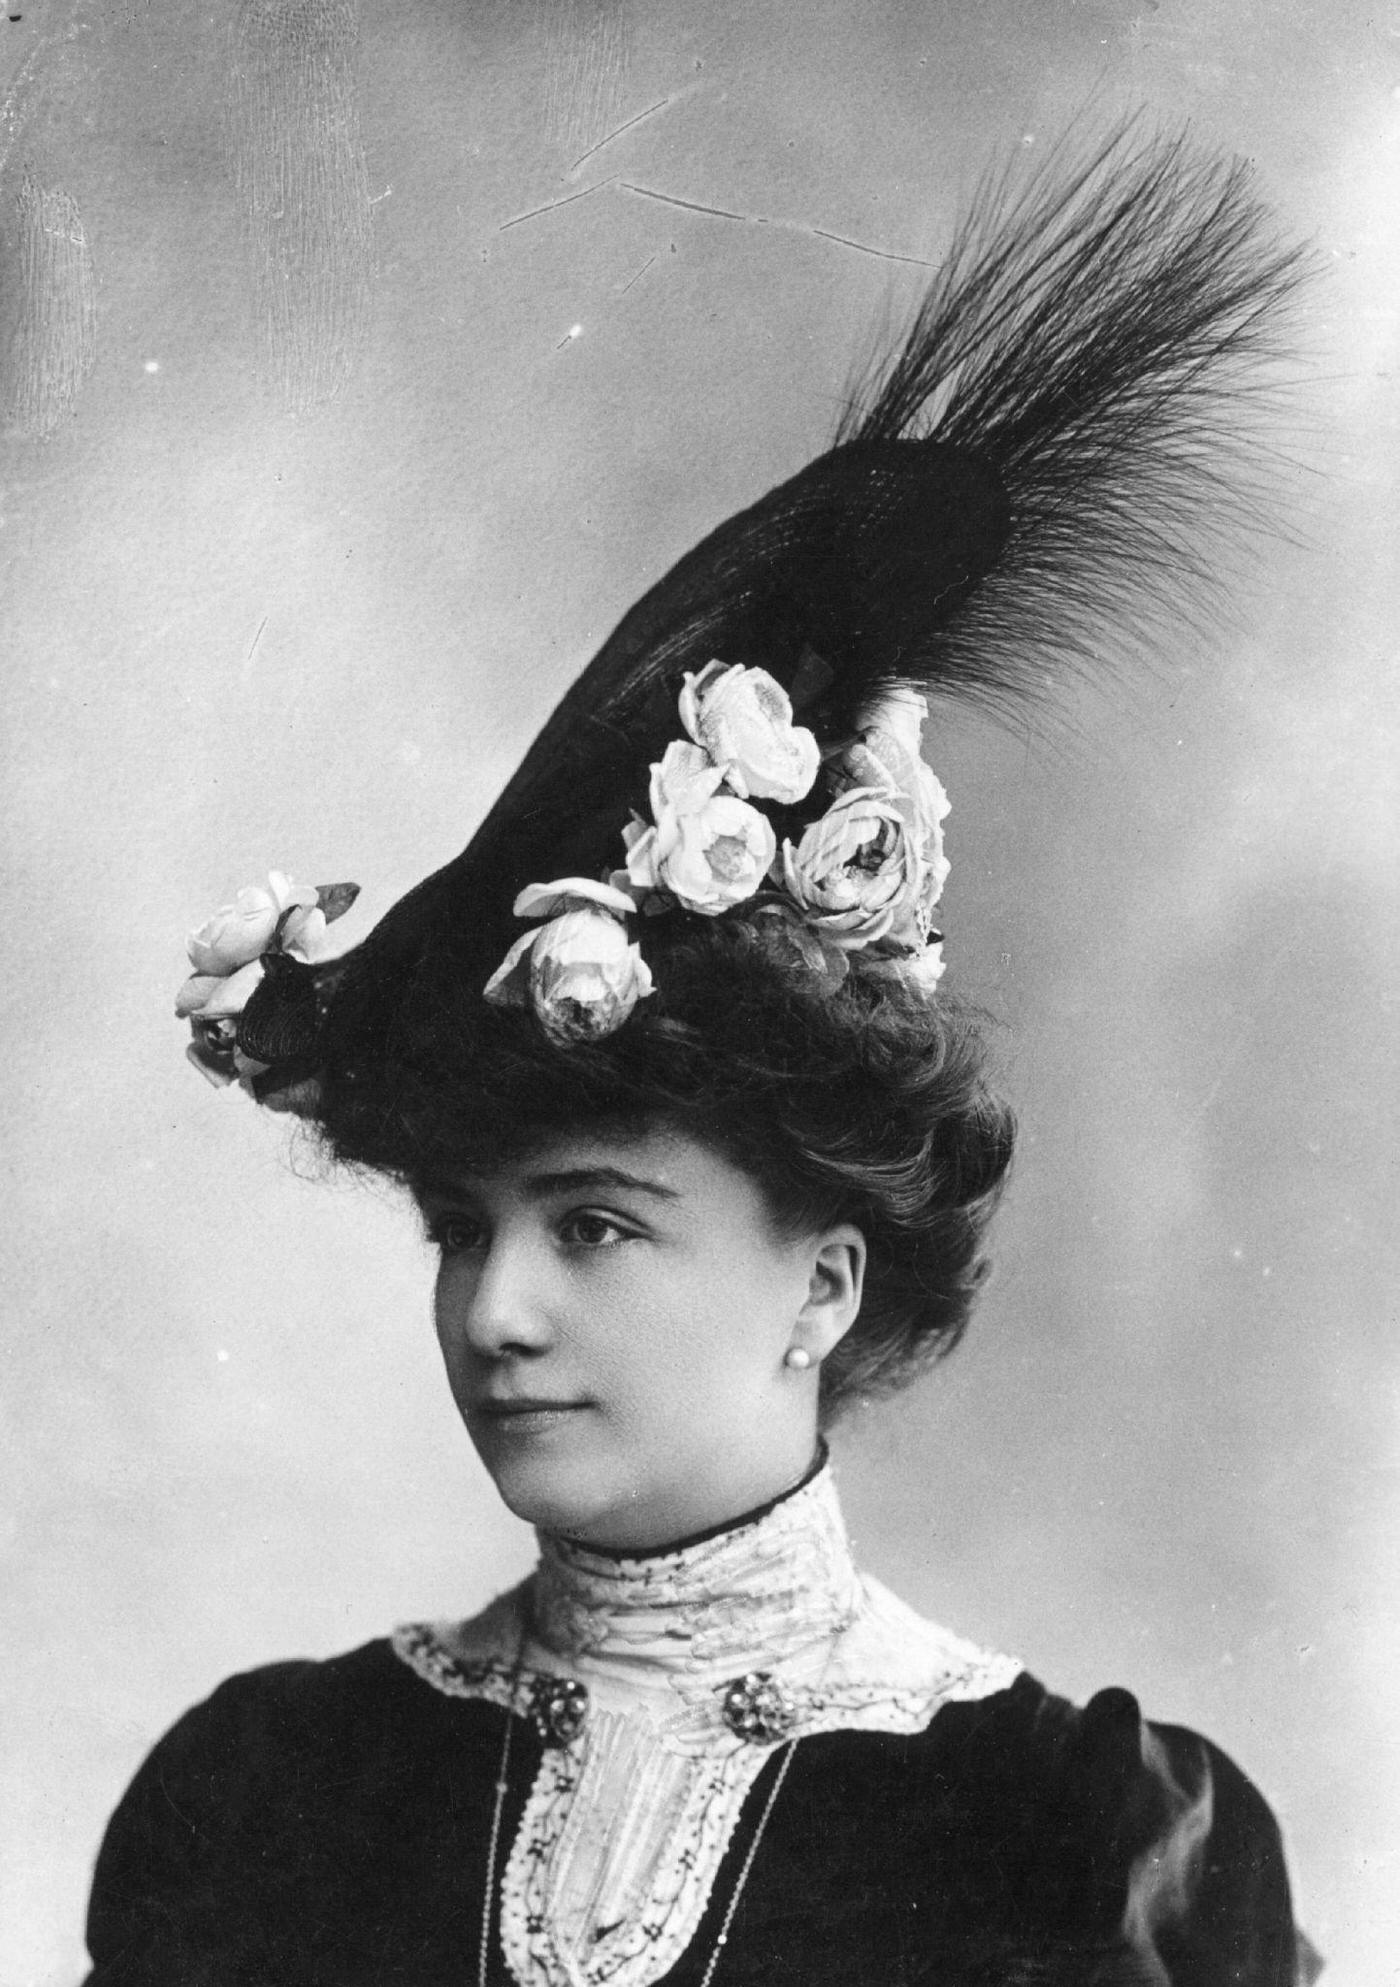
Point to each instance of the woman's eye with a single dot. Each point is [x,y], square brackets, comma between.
[593,1231]
[455,1234]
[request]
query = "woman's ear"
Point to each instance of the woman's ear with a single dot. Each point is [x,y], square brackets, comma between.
[833,1290]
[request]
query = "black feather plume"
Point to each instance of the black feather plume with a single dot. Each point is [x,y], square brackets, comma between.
[1107,335]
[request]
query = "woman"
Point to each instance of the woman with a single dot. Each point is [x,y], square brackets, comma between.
[706,1153]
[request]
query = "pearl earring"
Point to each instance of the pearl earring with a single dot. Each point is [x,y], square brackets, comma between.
[798,1358]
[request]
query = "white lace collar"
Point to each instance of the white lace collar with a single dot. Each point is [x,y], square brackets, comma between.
[628,1818]
[759,1595]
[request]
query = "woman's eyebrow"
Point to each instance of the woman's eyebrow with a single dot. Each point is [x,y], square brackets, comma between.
[540,1185]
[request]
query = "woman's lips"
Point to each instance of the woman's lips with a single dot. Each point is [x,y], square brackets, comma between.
[524,1415]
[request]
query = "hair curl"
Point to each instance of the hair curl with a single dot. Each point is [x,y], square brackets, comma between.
[866,1102]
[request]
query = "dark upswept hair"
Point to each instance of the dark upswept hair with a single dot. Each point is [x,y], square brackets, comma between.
[867,1101]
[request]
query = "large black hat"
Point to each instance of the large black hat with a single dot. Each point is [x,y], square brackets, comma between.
[1042,471]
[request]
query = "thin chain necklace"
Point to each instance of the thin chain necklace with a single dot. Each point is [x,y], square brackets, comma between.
[493,1852]
[494,1843]
[784,1762]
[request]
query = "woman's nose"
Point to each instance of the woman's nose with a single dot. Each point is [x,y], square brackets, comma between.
[498,1304]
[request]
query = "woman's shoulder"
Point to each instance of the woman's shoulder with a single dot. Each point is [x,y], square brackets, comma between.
[1145,1827]
[1090,1812]
[287,1722]
[1104,1760]
[297,1687]
[1101,1771]
[279,1802]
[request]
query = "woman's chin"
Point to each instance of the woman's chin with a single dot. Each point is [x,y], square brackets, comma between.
[549,1507]
[553,1492]
[594,1508]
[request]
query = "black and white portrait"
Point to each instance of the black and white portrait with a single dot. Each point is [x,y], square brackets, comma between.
[788,1329]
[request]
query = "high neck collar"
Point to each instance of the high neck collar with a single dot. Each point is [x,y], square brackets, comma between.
[772,1588]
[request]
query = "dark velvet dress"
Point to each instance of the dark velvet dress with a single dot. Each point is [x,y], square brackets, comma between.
[330,1824]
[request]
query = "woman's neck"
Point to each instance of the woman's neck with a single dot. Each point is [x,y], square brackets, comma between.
[747,1517]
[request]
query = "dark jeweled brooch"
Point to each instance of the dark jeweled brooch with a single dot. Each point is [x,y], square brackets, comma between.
[558,1707]
[756,1707]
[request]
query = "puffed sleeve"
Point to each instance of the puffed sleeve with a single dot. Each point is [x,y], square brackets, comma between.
[1185,1858]
[167,1875]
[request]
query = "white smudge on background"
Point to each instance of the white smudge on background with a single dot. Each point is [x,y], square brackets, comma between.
[299,169]
[55,336]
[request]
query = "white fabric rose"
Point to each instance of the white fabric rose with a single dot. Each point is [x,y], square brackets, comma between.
[572,893]
[303,933]
[856,873]
[684,780]
[227,953]
[228,950]
[709,850]
[212,998]
[243,930]
[888,757]
[579,971]
[212,1006]
[586,976]
[742,719]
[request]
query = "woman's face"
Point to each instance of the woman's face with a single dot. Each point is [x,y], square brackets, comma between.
[615,1313]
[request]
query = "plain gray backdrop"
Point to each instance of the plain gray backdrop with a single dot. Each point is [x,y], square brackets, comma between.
[362,364]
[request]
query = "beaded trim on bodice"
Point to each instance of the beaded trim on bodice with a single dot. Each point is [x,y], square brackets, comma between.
[627,1823]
